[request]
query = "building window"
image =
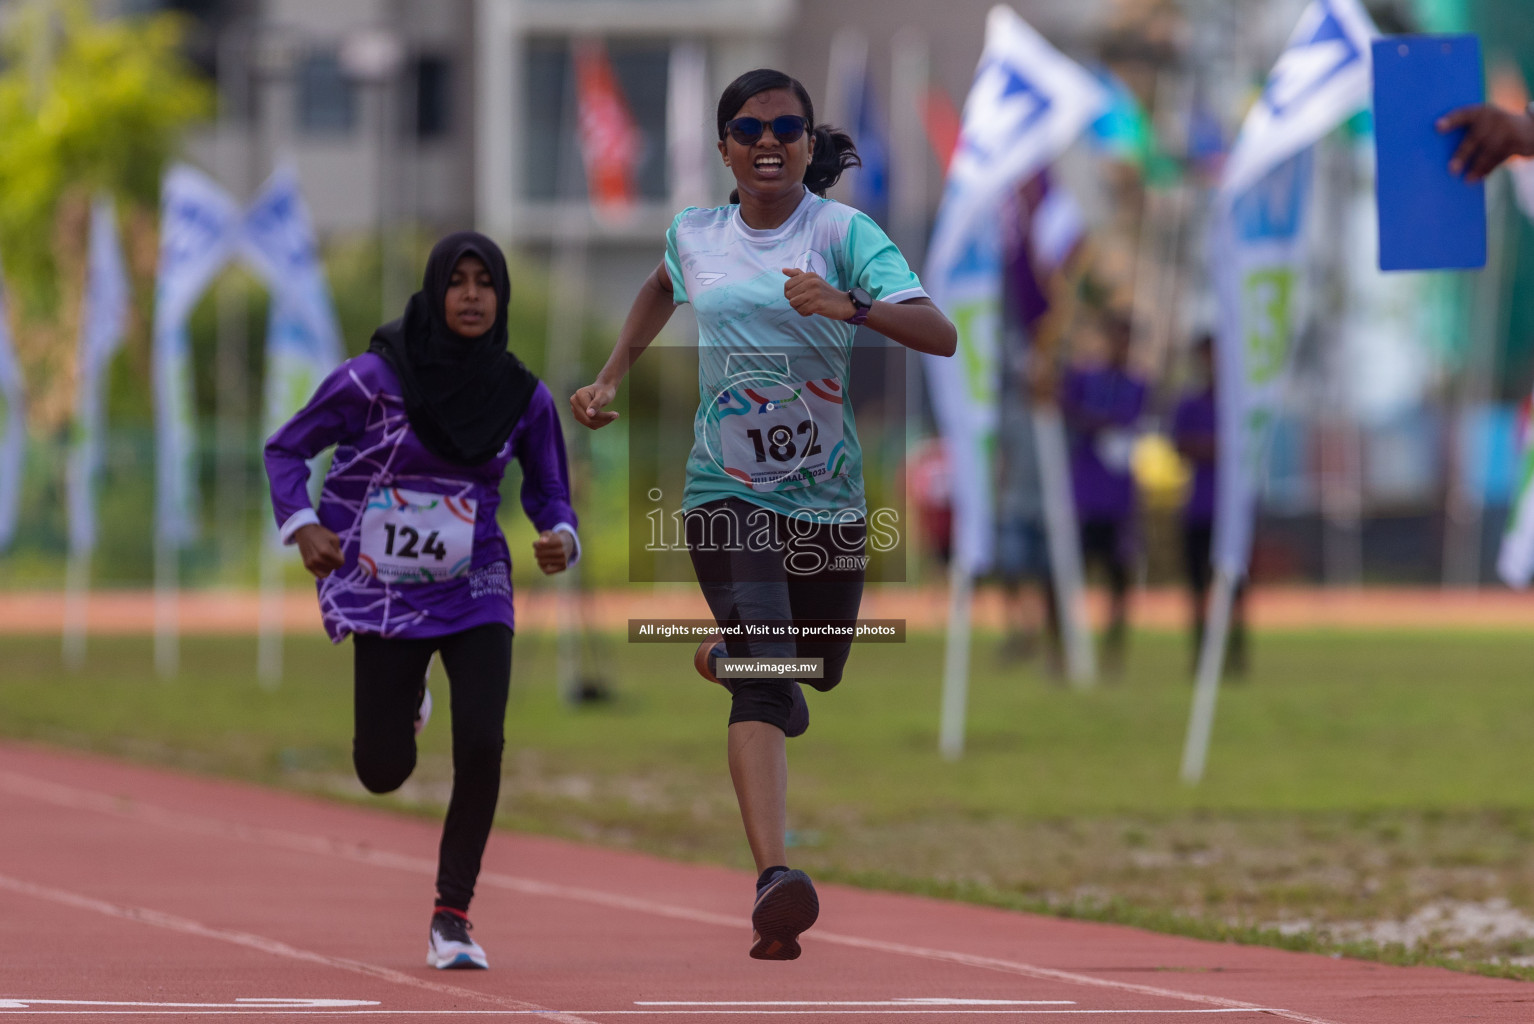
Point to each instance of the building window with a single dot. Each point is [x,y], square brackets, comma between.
[433,97]
[551,146]
[327,99]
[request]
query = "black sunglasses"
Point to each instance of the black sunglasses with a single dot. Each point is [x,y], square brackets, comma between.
[785,128]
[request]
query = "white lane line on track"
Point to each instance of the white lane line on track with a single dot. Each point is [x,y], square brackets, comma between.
[854,1002]
[80,799]
[616,1013]
[186,926]
[17,1003]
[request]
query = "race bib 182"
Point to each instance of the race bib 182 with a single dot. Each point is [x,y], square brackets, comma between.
[779,436]
[416,536]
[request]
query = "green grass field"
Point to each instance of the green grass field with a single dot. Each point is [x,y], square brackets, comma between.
[1355,778]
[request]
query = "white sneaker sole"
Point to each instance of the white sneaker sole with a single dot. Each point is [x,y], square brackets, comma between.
[456,956]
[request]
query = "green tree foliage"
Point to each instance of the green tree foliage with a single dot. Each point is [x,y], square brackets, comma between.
[86,106]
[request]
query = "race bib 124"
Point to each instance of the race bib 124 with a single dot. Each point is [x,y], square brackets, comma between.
[416,536]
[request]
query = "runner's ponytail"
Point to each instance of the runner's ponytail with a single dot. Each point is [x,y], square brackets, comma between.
[834,153]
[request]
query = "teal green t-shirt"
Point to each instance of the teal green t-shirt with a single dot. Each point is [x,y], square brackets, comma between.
[774,426]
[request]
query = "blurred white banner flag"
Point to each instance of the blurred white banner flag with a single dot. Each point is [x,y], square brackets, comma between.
[303,340]
[103,324]
[1028,103]
[1257,248]
[1257,256]
[1322,78]
[199,227]
[13,423]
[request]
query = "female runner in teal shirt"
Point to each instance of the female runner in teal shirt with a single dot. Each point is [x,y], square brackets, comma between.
[779,280]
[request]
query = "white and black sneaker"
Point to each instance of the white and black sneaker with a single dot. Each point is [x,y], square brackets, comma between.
[450,947]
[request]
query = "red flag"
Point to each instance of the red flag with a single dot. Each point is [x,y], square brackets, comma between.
[941,120]
[611,143]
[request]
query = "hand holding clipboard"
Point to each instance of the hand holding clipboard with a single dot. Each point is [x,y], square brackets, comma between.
[1429,217]
[1492,135]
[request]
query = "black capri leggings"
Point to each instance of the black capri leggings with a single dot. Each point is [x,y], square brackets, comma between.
[387,692]
[760,566]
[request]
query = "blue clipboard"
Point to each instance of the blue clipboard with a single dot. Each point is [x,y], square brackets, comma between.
[1429,219]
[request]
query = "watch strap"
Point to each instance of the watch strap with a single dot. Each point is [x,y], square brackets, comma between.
[859,307]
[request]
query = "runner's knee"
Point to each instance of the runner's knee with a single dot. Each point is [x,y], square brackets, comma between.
[765,700]
[833,662]
[381,771]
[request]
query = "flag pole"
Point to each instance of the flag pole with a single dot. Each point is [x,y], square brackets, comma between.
[76,587]
[1206,685]
[167,626]
[848,63]
[269,632]
[1060,534]
[909,73]
[569,267]
[961,589]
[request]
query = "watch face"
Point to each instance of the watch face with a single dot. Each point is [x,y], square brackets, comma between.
[861,302]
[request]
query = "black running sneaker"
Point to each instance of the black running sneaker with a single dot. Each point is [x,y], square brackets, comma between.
[785,908]
[450,947]
[712,649]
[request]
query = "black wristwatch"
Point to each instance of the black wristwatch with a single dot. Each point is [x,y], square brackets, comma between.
[862,302]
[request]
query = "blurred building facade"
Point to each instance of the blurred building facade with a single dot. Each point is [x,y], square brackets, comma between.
[442,113]
[446,113]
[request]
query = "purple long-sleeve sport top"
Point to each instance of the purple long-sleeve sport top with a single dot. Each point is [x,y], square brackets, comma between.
[1101,409]
[359,409]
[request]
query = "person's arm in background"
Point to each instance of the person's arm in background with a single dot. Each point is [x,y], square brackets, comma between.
[1492,135]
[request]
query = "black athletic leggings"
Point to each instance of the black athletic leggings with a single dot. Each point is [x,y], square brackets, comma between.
[387,689]
[758,566]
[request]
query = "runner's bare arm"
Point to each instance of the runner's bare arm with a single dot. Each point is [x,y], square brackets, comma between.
[651,310]
[916,323]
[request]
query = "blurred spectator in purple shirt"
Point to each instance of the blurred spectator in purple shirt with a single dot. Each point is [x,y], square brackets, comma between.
[1102,408]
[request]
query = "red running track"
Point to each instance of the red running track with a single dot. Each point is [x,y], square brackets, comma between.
[130,893]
